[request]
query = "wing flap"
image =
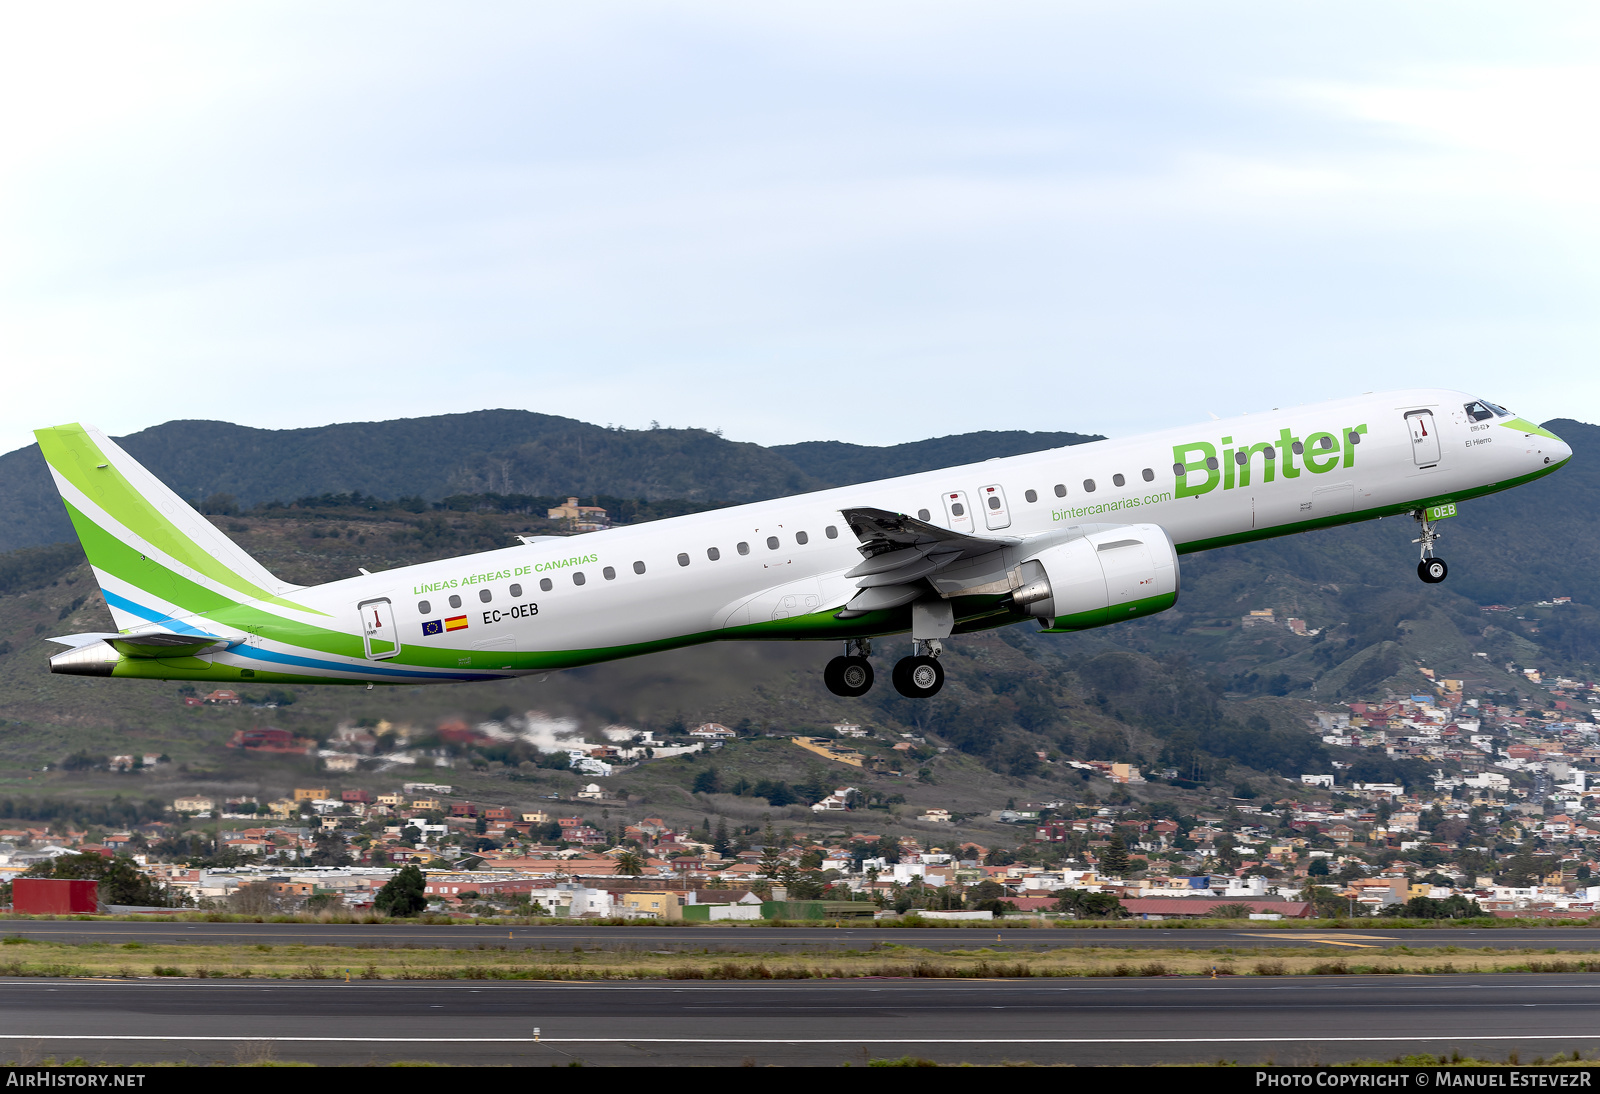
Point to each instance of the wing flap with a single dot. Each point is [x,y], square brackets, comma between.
[904,554]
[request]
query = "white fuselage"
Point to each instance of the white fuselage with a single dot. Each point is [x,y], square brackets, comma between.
[722,573]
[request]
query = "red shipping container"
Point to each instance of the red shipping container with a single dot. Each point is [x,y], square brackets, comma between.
[48,896]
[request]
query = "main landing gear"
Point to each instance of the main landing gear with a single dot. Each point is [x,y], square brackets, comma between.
[919,676]
[1430,569]
[850,675]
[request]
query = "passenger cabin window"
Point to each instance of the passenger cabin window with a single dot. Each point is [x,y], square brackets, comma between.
[516,591]
[638,567]
[1149,474]
[1088,486]
[485,595]
[713,554]
[1269,452]
[1241,457]
[455,601]
[772,543]
[424,608]
[578,578]
[923,514]
[801,538]
[1118,480]
[609,573]
[1061,489]
[1031,495]
[1327,443]
[1355,438]
[994,502]
[831,531]
[958,510]
[1299,448]
[744,548]
[1211,463]
[683,559]
[545,584]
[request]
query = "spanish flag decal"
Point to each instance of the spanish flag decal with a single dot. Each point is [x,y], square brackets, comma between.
[456,623]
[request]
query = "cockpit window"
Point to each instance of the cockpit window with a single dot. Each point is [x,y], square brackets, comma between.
[1480,409]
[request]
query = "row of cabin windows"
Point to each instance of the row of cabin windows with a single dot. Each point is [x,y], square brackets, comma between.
[1240,457]
[426,607]
[610,572]
[1032,496]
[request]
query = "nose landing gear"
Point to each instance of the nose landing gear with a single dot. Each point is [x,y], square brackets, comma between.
[1430,569]
[850,675]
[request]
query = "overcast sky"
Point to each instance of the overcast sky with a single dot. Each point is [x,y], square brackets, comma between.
[873,222]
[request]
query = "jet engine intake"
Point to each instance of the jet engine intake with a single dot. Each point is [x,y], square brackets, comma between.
[1106,576]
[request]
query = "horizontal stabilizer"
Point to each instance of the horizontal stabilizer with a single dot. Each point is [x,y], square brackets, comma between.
[88,638]
[149,643]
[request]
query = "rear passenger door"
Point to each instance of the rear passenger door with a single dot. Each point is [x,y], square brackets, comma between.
[377,629]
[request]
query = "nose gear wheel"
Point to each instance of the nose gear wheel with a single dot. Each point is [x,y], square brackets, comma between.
[1430,569]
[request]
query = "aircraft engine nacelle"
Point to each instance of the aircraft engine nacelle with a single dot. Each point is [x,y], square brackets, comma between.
[1122,572]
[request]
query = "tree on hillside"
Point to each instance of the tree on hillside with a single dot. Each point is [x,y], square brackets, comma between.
[402,895]
[1114,861]
[631,863]
[1325,902]
[330,849]
[707,782]
[1454,906]
[1082,904]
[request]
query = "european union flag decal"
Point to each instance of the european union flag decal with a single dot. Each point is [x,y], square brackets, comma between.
[432,626]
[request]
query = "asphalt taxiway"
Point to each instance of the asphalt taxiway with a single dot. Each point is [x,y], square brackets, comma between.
[1287,1020]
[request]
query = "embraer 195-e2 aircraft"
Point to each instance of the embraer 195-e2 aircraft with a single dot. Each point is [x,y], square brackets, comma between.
[1074,538]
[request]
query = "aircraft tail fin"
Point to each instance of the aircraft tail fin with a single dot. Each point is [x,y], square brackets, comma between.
[156,558]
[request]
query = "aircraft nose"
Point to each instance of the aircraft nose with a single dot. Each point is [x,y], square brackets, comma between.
[1556,450]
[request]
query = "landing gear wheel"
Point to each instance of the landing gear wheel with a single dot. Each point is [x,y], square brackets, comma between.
[849,676]
[918,677]
[1432,570]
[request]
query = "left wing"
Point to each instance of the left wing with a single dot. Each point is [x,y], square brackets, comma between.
[904,556]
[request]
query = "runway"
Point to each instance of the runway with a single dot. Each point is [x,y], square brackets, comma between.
[758,939]
[1298,1020]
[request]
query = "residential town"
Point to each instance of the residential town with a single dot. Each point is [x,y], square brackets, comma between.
[1495,812]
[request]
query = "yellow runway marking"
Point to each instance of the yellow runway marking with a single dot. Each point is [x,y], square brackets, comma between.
[1330,940]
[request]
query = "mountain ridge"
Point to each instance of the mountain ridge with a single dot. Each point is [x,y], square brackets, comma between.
[499,451]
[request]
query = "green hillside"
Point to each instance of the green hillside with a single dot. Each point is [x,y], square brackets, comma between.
[839,464]
[487,451]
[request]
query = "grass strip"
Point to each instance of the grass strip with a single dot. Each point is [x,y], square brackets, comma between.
[499,961]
